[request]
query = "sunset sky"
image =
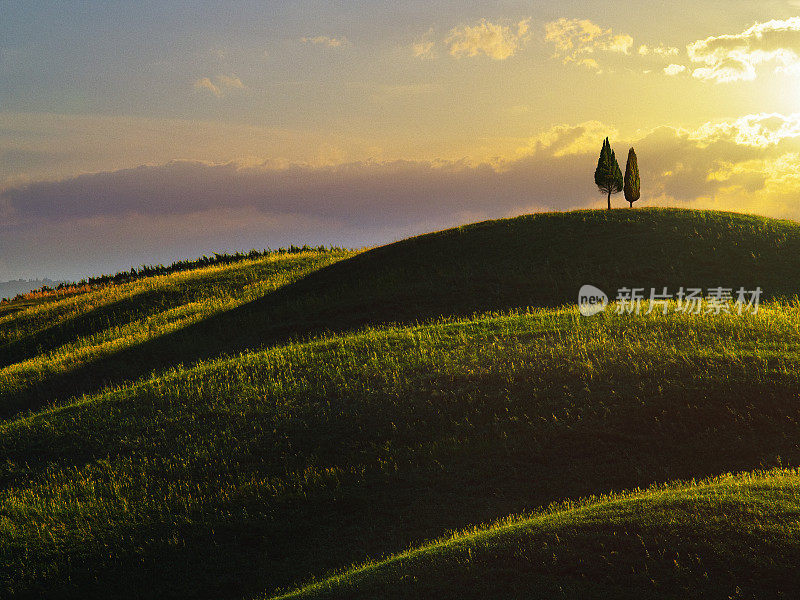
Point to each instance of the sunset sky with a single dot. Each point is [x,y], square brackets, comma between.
[145,132]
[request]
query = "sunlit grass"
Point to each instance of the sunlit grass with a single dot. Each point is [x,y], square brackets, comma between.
[239,430]
[731,534]
[56,337]
[262,439]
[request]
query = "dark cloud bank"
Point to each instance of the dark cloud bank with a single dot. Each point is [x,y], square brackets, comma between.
[154,213]
[361,194]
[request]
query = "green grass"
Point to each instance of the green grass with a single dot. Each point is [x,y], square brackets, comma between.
[673,541]
[241,430]
[122,333]
[58,349]
[261,470]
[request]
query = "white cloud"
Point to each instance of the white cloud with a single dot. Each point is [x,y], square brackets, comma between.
[674,69]
[727,70]
[491,39]
[590,63]
[734,57]
[219,84]
[573,39]
[659,50]
[424,47]
[324,40]
[621,43]
[758,130]
[749,164]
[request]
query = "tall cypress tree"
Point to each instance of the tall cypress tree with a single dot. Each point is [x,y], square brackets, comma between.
[608,175]
[631,187]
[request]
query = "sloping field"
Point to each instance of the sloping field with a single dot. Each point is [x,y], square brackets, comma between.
[242,430]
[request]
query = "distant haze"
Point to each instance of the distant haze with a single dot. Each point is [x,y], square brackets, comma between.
[9,289]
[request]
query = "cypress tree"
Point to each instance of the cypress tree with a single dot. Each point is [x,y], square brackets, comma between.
[631,187]
[608,175]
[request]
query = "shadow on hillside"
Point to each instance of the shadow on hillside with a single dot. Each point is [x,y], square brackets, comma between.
[306,308]
[453,484]
[118,313]
[495,265]
[88,323]
[379,286]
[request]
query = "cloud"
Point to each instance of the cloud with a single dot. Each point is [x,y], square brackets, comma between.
[726,70]
[493,40]
[621,44]
[400,191]
[362,193]
[324,40]
[223,82]
[205,83]
[565,140]
[660,50]
[574,39]
[230,81]
[590,63]
[734,57]
[674,69]
[748,164]
[758,130]
[424,47]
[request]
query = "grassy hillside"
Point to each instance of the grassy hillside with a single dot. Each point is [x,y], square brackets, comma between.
[260,471]
[273,422]
[59,349]
[122,333]
[670,542]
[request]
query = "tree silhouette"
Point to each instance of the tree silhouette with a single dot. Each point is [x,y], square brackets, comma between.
[608,176]
[631,186]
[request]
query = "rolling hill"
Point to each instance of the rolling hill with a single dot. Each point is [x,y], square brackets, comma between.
[666,542]
[253,429]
